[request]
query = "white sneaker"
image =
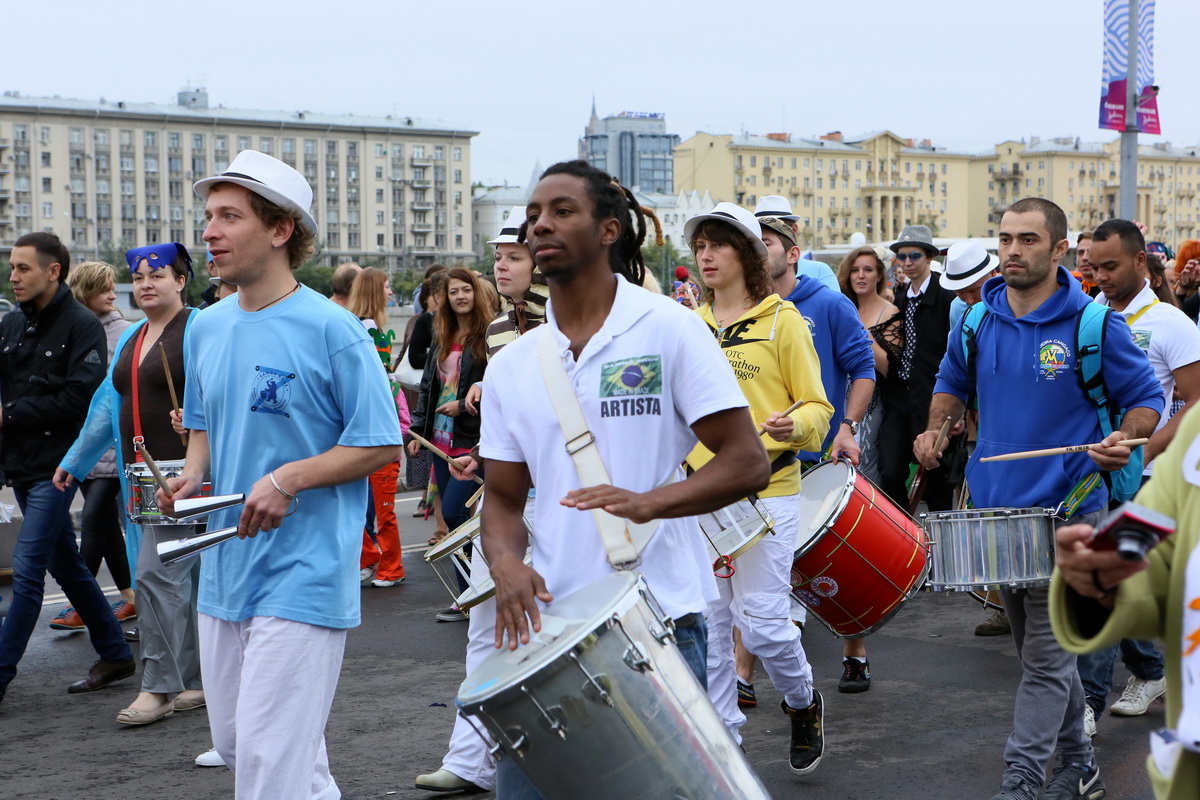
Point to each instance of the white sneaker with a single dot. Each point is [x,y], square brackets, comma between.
[1138,696]
[366,575]
[210,758]
[382,584]
[1089,721]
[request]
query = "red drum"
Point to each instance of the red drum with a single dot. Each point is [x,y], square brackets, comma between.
[859,556]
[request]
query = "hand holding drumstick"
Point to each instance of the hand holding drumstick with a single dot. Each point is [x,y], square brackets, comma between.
[779,426]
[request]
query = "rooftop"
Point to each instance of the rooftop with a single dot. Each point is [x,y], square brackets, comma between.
[200,112]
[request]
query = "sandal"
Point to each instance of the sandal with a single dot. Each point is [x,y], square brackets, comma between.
[437,537]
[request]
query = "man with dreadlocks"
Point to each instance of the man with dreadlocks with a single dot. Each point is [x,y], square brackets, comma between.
[629,355]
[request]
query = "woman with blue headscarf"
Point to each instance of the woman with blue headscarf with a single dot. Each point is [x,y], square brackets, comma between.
[134,404]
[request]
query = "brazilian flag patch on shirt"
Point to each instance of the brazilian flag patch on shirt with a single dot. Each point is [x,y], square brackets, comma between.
[631,376]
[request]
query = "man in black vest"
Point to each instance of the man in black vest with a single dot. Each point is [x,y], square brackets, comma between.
[926,309]
[52,358]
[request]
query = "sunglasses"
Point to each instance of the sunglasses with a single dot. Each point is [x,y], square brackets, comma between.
[910,256]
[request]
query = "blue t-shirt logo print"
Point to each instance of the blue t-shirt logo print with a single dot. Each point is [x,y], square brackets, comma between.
[272,391]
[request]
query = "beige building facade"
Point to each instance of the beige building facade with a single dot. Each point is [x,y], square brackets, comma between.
[877,183]
[106,176]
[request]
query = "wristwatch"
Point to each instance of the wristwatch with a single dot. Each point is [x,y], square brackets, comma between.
[853,425]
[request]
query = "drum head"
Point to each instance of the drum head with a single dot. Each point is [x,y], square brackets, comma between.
[824,492]
[461,535]
[565,623]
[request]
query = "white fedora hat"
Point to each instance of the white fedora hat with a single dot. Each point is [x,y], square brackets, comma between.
[966,263]
[512,227]
[773,205]
[734,215]
[269,178]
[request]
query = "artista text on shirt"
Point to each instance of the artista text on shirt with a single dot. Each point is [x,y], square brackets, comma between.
[631,407]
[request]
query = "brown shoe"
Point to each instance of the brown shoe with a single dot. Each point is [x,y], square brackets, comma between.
[102,674]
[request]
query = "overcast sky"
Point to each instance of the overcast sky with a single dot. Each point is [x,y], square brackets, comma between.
[966,74]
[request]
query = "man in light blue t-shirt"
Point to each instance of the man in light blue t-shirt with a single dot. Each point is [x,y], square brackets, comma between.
[285,400]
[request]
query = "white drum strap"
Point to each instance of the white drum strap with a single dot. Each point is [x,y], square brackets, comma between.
[623,540]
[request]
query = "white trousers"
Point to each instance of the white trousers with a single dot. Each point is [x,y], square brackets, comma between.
[269,684]
[756,600]
[468,757]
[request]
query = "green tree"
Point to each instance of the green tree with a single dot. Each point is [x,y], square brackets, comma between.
[661,260]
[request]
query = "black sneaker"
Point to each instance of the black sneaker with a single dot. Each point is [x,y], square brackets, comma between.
[1014,788]
[1074,782]
[746,698]
[856,676]
[808,735]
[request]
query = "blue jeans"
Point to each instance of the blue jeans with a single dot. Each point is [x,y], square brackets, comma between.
[511,783]
[1096,669]
[454,494]
[46,543]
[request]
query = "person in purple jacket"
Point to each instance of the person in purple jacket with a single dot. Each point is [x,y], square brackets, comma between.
[1031,397]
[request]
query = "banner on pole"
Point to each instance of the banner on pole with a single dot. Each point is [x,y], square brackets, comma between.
[1116,62]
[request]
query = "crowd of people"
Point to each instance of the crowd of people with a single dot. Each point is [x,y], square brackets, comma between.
[905,367]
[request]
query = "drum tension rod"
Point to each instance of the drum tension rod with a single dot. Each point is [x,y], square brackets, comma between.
[634,658]
[556,724]
[601,692]
[667,634]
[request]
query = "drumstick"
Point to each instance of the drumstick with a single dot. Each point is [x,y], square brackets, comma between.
[1058,451]
[918,485]
[431,447]
[171,387]
[786,411]
[475,497]
[158,476]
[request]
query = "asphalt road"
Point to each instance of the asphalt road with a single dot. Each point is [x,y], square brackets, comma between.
[932,726]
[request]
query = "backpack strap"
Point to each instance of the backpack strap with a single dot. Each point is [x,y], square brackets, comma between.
[1089,363]
[972,319]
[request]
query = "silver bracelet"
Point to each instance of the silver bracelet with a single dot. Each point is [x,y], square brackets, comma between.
[279,488]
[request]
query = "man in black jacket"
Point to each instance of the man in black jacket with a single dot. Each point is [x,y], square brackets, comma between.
[52,358]
[926,309]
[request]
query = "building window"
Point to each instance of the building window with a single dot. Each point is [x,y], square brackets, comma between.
[379,195]
[48,210]
[21,132]
[150,139]
[418,151]
[397,151]
[173,141]
[197,141]
[287,146]
[331,147]
[439,153]
[266,144]
[351,149]
[333,239]
[75,136]
[45,134]
[380,150]
[151,164]
[378,217]
[46,185]
[45,159]
[458,176]
[310,147]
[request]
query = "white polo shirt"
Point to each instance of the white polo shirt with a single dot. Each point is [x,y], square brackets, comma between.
[649,373]
[1169,339]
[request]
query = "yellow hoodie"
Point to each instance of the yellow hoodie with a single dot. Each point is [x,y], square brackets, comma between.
[772,355]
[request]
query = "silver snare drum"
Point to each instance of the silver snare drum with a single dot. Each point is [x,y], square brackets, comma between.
[989,548]
[460,565]
[601,704]
[142,506]
[731,531]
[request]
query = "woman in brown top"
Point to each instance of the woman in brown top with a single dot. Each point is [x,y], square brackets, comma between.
[136,396]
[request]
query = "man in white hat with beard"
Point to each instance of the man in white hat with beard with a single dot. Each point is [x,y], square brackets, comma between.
[773,205]
[287,370]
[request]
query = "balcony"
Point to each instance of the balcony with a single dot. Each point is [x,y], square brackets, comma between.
[1185,193]
[421,183]
[422,206]
[420,161]
[422,227]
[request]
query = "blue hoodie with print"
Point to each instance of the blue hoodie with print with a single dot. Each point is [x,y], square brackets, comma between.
[843,347]
[1030,396]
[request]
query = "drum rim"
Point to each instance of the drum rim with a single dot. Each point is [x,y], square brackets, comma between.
[553,656]
[843,500]
[999,512]
[454,539]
